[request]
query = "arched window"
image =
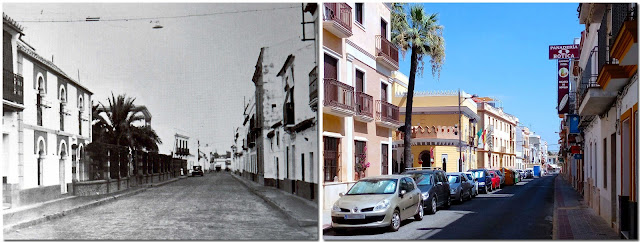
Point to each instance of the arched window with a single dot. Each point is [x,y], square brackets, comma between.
[63,95]
[80,103]
[41,87]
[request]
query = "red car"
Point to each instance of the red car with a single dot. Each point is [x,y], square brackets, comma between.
[495,180]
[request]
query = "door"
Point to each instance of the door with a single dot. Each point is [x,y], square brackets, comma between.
[383,92]
[415,197]
[385,159]
[407,200]
[330,67]
[614,185]
[383,28]
[63,184]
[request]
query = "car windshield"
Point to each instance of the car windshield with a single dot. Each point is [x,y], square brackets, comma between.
[422,179]
[453,179]
[377,186]
[469,176]
[478,174]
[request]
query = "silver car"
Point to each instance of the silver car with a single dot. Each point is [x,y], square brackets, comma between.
[380,201]
[474,183]
[460,188]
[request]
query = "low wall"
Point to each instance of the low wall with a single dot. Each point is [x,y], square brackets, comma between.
[39,194]
[90,188]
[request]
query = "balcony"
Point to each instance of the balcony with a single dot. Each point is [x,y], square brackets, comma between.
[387,115]
[592,99]
[364,107]
[337,19]
[12,90]
[313,88]
[386,53]
[338,98]
[624,32]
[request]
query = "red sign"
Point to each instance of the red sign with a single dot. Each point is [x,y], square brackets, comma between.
[563,86]
[575,149]
[564,52]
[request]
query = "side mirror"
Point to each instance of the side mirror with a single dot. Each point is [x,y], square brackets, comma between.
[341,194]
[402,193]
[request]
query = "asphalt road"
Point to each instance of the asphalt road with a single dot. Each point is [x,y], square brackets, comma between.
[213,207]
[523,211]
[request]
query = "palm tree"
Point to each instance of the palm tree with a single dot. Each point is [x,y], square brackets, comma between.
[422,35]
[115,124]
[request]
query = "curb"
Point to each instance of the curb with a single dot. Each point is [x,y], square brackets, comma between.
[165,182]
[25,224]
[301,223]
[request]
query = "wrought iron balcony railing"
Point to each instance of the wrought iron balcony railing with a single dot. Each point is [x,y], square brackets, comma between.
[338,94]
[364,104]
[338,12]
[12,87]
[387,112]
[386,49]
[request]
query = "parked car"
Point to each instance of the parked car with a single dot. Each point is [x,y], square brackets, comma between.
[529,173]
[434,186]
[473,181]
[460,188]
[483,178]
[379,201]
[501,175]
[495,179]
[521,172]
[197,170]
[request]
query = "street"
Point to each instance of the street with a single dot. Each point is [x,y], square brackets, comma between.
[213,207]
[523,211]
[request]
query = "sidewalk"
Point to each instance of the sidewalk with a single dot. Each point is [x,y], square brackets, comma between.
[303,211]
[326,220]
[25,216]
[572,219]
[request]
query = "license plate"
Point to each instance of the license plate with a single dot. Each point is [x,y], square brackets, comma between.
[354,216]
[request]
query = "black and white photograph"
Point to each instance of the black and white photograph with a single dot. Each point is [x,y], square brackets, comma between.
[160,121]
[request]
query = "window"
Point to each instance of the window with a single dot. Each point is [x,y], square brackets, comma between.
[331,159]
[385,159]
[359,12]
[302,165]
[330,67]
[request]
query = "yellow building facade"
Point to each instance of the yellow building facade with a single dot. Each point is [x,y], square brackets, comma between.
[437,140]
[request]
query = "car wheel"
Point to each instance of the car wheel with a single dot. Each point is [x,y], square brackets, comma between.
[395,221]
[420,213]
[434,206]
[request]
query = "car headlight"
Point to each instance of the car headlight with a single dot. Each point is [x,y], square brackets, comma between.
[425,196]
[382,205]
[335,208]
[481,183]
[453,190]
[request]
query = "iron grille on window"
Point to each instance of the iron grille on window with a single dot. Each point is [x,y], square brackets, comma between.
[331,155]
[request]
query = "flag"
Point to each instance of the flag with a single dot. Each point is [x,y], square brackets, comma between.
[479,133]
[484,136]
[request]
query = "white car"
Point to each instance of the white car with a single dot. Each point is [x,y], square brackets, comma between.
[473,181]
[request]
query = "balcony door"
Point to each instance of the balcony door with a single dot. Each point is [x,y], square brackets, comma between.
[383,28]
[383,92]
[330,67]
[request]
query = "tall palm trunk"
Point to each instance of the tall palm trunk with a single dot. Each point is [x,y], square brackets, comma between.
[408,158]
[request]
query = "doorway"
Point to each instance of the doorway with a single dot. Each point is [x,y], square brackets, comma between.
[425,157]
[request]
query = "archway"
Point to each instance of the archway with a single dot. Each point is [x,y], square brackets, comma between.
[41,156]
[425,157]
[63,157]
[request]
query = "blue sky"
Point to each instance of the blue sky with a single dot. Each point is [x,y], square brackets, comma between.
[501,50]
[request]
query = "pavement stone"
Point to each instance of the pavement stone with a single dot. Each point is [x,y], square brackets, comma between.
[213,207]
[573,219]
[303,211]
[25,216]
